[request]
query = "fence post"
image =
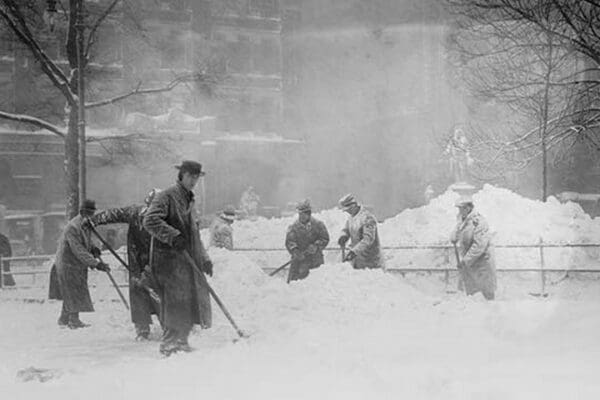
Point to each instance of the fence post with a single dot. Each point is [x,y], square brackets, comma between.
[1,272]
[542,267]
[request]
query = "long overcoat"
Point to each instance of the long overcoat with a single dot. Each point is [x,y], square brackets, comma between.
[138,254]
[73,258]
[183,291]
[299,236]
[364,240]
[221,234]
[476,251]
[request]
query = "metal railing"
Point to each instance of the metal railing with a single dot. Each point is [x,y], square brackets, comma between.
[543,270]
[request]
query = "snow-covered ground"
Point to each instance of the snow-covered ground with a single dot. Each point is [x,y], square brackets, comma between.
[341,333]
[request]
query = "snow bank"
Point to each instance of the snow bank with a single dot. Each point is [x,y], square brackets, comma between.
[513,219]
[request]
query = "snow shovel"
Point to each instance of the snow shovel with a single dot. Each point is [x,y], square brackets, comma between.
[114,283]
[280,268]
[457,267]
[153,295]
[214,296]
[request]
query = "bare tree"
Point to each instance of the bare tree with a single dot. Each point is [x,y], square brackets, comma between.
[513,52]
[23,21]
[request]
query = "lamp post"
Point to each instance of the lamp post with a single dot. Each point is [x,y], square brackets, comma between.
[49,17]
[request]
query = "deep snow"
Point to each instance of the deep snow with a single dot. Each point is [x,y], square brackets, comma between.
[341,333]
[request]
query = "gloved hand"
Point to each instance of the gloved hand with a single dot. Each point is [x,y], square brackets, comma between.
[179,243]
[95,252]
[87,223]
[350,255]
[297,254]
[102,266]
[311,249]
[207,267]
[342,241]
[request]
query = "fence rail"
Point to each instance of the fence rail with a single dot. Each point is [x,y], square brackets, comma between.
[541,246]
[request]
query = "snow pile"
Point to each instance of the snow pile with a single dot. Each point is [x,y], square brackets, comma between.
[513,219]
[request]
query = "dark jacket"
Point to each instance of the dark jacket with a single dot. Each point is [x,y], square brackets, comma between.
[138,254]
[297,240]
[6,251]
[73,258]
[184,292]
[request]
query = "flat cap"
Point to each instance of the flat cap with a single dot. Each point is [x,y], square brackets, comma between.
[304,206]
[347,201]
[228,213]
[463,200]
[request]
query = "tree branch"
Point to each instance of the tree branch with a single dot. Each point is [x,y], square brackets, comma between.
[97,24]
[33,121]
[138,91]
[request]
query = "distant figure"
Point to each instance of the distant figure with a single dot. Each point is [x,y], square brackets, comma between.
[305,240]
[74,256]
[249,202]
[221,229]
[361,230]
[476,265]
[459,155]
[429,192]
[6,251]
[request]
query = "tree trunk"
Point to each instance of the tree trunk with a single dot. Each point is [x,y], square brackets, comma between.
[72,165]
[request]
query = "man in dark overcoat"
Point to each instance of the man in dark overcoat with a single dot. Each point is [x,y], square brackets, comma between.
[305,240]
[171,219]
[75,254]
[138,257]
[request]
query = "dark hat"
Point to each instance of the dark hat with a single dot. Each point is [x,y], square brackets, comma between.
[304,206]
[89,205]
[228,213]
[347,201]
[193,167]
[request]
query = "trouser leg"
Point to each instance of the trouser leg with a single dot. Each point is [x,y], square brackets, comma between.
[63,319]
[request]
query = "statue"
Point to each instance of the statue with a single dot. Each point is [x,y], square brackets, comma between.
[459,156]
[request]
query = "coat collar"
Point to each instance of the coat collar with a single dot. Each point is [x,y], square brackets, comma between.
[187,194]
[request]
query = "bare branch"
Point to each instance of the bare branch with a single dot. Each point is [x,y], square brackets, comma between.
[33,121]
[97,24]
[138,91]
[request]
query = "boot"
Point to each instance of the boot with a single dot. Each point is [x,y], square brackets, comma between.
[75,322]
[63,320]
[142,332]
[183,345]
[168,348]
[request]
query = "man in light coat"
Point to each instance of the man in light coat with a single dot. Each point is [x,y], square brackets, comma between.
[221,230]
[172,221]
[138,257]
[75,254]
[361,230]
[476,262]
[305,240]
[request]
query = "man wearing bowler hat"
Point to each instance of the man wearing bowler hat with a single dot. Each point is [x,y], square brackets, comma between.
[221,230]
[305,240]
[172,221]
[75,254]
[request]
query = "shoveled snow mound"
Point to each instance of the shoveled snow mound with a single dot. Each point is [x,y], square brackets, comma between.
[513,219]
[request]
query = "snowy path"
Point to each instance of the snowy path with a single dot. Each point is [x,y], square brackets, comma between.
[341,334]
